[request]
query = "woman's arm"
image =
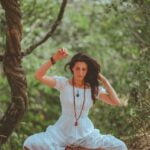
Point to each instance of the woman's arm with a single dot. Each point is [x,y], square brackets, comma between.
[112,97]
[40,73]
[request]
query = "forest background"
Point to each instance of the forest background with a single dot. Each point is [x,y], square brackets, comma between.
[116,33]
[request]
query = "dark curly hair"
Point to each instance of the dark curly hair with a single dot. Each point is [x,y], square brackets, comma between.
[92,73]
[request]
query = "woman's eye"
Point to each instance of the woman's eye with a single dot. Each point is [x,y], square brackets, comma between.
[84,69]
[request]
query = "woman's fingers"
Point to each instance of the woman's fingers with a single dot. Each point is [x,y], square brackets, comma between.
[63,52]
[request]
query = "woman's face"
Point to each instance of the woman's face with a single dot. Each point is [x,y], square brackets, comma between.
[80,70]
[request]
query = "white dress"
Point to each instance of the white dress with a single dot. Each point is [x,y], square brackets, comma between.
[64,132]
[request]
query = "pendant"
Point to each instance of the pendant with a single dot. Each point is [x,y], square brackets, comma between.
[76,123]
[77,95]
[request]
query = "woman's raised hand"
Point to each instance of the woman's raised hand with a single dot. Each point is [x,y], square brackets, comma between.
[101,77]
[60,54]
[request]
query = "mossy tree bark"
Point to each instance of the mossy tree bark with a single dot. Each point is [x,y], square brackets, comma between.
[13,70]
[12,65]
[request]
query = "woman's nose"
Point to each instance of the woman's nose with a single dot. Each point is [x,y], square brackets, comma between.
[80,72]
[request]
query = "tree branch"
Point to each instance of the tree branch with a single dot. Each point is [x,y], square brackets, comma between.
[49,34]
[140,39]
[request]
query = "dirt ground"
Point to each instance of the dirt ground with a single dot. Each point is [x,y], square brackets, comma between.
[139,143]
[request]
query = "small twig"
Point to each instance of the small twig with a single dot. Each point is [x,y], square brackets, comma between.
[140,38]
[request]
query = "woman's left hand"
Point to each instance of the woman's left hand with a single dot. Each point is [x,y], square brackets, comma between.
[101,78]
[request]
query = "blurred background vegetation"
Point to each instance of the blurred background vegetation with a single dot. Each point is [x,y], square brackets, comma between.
[116,33]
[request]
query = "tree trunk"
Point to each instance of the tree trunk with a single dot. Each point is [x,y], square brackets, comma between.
[13,70]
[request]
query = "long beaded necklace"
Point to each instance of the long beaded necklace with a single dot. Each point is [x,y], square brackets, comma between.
[74,104]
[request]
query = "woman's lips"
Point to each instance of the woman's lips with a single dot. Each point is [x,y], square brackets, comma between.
[80,76]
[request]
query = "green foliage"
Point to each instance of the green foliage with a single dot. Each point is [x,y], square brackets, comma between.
[116,34]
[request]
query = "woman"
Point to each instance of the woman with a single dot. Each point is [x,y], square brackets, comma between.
[77,96]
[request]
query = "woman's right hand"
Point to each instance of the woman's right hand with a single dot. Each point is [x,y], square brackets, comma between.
[60,54]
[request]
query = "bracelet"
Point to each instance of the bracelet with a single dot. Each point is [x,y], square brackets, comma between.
[52,60]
